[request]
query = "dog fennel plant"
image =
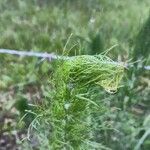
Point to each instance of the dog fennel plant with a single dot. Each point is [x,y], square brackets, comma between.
[69,112]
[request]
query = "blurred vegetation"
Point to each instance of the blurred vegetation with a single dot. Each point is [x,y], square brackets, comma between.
[45,25]
[142,43]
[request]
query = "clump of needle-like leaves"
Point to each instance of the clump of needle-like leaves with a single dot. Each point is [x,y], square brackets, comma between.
[72,104]
[88,70]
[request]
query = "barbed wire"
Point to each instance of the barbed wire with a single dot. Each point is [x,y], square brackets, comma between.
[44,55]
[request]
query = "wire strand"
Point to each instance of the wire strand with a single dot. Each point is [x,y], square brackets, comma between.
[44,55]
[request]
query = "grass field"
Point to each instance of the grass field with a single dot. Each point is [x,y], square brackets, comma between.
[95,26]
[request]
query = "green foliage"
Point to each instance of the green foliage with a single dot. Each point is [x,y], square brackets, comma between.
[142,45]
[72,105]
[45,25]
[96,44]
[98,69]
[22,105]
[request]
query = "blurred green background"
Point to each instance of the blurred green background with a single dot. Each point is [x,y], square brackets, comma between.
[95,25]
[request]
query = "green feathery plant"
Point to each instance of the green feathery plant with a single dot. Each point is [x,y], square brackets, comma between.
[69,112]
